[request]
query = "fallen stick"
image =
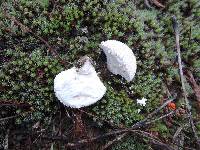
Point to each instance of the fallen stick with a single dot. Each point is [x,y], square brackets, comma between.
[154,139]
[176,31]
[118,138]
[150,116]
[142,123]
[6,118]
[157,3]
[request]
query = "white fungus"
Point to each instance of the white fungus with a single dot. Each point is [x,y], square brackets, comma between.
[120,59]
[142,101]
[79,87]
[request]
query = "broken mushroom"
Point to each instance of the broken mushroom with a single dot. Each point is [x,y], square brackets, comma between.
[79,87]
[120,59]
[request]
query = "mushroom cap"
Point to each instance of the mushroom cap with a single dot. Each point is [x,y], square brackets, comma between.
[120,59]
[79,87]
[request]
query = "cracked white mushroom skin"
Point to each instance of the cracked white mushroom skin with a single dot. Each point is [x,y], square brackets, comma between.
[120,59]
[142,102]
[79,87]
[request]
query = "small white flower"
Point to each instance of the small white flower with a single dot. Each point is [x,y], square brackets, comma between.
[142,101]
[139,110]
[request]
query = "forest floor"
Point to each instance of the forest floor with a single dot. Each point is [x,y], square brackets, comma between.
[40,39]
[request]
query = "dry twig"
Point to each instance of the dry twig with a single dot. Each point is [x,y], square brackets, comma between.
[176,30]
[118,138]
[146,2]
[6,118]
[151,115]
[157,3]
[161,117]
[14,103]
[154,139]
[142,123]
[194,85]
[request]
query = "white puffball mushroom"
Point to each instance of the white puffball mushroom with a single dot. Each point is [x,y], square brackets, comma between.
[120,59]
[79,87]
[142,101]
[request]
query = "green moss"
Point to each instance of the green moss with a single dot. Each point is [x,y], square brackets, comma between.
[149,86]
[76,28]
[28,80]
[118,108]
[162,129]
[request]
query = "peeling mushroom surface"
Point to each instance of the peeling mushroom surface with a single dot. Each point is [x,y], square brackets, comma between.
[120,59]
[79,87]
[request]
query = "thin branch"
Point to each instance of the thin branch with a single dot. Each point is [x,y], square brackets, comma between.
[84,141]
[154,139]
[6,118]
[145,123]
[182,127]
[178,131]
[14,103]
[152,114]
[194,85]
[176,30]
[157,3]
[137,125]
[146,2]
[161,117]
[5,141]
[118,138]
